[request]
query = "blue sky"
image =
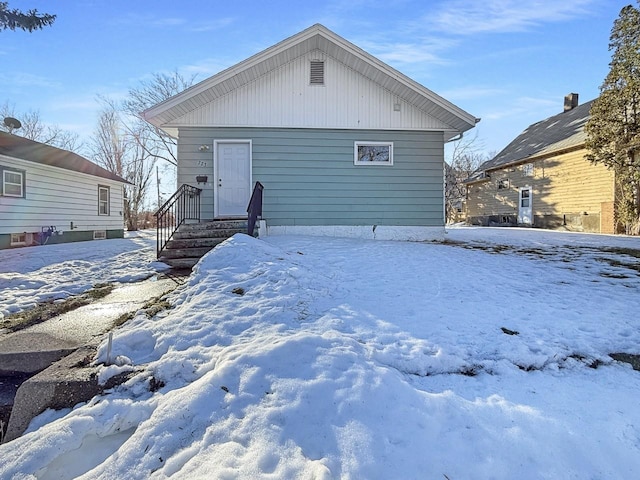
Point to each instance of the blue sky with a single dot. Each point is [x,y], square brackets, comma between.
[509,62]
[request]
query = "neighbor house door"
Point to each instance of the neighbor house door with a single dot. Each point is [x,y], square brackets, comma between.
[232,188]
[525,208]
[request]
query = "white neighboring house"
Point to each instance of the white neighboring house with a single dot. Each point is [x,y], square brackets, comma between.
[49,195]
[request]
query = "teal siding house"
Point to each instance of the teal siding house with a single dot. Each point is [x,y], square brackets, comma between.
[343,144]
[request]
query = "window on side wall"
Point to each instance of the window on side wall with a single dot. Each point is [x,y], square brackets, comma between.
[13,183]
[527,170]
[503,184]
[373,153]
[103,200]
[18,239]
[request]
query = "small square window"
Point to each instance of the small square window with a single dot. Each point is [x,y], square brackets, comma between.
[503,184]
[527,170]
[103,200]
[373,153]
[18,239]
[12,183]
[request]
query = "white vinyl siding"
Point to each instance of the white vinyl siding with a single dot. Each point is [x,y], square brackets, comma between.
[284,97]
[57,197]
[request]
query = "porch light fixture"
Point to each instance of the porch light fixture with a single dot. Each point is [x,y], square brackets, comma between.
[203,148]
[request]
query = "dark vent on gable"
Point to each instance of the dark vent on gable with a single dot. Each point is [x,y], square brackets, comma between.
[317,72]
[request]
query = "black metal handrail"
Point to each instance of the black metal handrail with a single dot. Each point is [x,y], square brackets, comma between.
[254,210]
[183,205]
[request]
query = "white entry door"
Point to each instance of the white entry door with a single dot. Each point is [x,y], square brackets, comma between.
[525,208]
[233,178]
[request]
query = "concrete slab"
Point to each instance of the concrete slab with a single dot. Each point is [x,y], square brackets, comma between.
[61,349]
[66,383]
[42,349]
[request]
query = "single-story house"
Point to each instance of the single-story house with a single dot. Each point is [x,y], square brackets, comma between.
[342,143]
[542,179]
[49,195]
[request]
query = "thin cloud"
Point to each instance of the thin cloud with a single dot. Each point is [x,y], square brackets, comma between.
[22,79]
[212,25]
[150,21]
[427,50]
[472,92]
[465,17]
[522,105]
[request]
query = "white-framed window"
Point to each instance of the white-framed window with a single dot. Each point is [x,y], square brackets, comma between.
[504,184]
[18,239]
[13,183]
[373,153]
[99,234]
[527,170]
[103,200]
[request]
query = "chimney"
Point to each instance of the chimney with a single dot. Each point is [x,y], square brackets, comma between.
[570,101]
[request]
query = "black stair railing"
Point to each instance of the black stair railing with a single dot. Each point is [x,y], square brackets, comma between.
[254,210]
[183,205]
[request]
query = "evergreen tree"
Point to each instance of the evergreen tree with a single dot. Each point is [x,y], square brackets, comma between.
[613,129]
[30,21]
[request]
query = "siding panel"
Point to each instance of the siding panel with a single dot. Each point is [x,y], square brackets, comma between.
[565,185]
[57,197]
[310,178]
[283,97]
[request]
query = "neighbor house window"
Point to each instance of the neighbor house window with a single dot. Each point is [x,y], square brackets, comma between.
[12,183]
[373,153]
[527,170]
[18,239]
[103,200]
[503,184]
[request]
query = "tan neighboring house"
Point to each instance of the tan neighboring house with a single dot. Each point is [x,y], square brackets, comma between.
[542,179]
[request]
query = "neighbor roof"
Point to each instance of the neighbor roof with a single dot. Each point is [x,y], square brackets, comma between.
[25,149]
[315,37]
[560,132]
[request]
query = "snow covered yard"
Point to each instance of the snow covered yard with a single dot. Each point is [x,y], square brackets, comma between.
[301,357]
[32,275]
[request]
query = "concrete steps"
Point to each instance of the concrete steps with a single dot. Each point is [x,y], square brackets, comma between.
[192,241]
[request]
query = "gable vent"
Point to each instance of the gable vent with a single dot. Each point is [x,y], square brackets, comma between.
[317,72]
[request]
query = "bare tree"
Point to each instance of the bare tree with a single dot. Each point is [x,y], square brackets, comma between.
[34,128]
[465,158]
[126,155]
[152,92]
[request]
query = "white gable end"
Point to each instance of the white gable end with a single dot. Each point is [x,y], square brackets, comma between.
[285,97]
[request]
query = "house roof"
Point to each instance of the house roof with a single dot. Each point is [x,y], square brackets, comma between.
[557,133]
[30,150]
[316,37]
